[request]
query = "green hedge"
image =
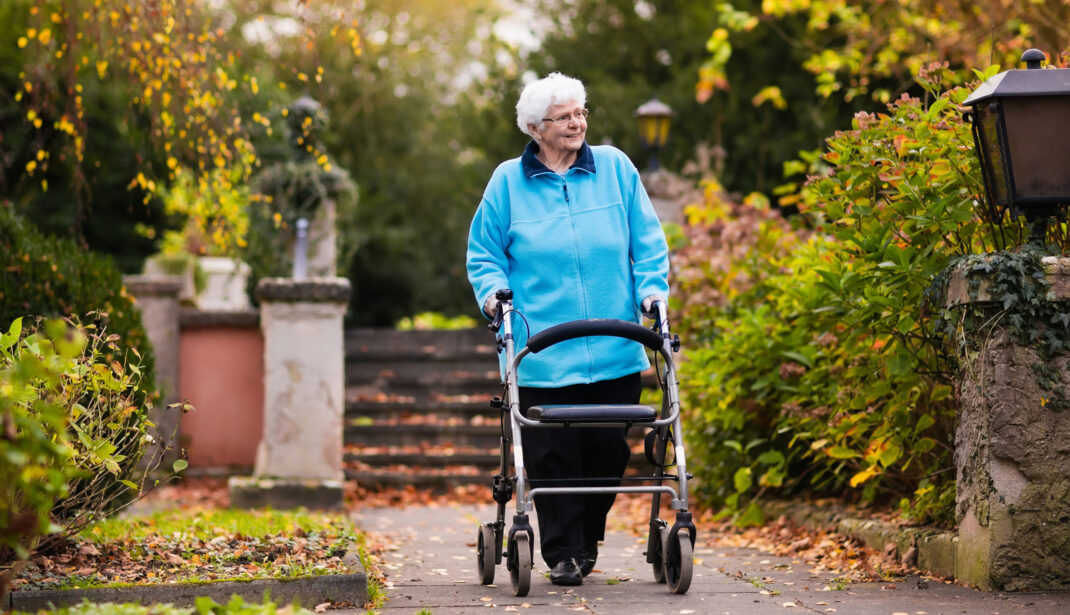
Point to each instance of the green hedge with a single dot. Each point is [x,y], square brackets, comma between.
[817,363]
[47,276]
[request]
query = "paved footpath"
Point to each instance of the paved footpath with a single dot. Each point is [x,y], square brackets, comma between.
[433,570]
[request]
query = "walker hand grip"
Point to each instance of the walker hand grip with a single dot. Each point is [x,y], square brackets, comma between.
[598,326]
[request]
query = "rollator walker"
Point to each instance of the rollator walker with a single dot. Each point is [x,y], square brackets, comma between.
[669,549]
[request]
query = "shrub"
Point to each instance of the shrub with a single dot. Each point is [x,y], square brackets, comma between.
[34,450]
[825,372]
[46,276]
[74,434]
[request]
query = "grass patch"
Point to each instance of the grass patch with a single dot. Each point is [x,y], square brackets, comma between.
[204,606]
[203,546]
[208,524]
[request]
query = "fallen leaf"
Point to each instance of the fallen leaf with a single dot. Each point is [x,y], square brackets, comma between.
[321,607]
[789,605]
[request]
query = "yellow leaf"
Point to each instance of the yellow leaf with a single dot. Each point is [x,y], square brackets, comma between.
[865,475]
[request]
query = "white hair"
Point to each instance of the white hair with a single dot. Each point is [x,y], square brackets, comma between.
[538,96]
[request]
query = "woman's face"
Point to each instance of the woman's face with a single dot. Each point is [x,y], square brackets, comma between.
[563,136]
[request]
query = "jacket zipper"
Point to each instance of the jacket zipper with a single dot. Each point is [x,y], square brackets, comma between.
[587,341]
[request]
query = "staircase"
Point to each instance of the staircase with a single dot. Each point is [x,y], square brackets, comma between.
[418,408]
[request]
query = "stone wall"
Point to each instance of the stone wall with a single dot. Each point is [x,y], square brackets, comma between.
[1012,455]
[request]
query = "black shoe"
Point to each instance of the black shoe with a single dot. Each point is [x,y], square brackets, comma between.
[588,557]
[566,572]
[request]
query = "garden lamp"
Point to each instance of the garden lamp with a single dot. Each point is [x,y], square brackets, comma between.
[1021,130]
[654,118]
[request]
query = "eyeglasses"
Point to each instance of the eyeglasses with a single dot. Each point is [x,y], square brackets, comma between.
[563,120]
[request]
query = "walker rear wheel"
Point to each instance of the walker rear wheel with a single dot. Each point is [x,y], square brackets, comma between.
[678,562]
[485,555]
[520,563]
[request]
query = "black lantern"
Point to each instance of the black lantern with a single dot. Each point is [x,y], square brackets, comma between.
[654,118]
[1021,129]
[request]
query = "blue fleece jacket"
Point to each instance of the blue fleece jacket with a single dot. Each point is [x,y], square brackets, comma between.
[586,244]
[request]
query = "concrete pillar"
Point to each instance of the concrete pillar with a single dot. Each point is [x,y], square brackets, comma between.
[1012,448]
[669,194]
[322,242]
[157,296]
[299,460]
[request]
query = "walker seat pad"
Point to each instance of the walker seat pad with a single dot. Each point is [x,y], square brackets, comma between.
[593,413]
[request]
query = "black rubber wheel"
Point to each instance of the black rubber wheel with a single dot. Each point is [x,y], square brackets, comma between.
[659,557]
[485,554]
[520,563]
[679,564]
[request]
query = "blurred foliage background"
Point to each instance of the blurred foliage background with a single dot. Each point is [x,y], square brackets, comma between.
[420,97]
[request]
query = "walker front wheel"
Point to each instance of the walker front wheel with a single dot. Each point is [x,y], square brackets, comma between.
[678,562]
[520,563]
[485,554]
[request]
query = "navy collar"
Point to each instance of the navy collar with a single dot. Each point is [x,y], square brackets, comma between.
[533,166]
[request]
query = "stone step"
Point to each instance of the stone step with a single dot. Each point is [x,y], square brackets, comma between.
[422,393]
[422,373]
[388,344]
[418,409]
[371,410]
[480,436]
[484,435]
[484,460]
[421,479]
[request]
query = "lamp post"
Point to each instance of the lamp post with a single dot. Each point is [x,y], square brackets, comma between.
[654,118]
[1021,129]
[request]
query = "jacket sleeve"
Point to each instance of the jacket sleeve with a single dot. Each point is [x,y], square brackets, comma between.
[648,249]
[487,261]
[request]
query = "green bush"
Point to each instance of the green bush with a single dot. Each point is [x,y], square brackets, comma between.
[46,276]
[825,371]
[34,452]
[73,434]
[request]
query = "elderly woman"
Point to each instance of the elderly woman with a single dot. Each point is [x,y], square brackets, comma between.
[570,229]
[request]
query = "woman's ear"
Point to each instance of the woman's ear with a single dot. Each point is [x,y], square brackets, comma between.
[534,129]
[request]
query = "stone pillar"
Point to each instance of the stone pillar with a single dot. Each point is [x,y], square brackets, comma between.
[299,460]
[1012,449]
[669,193]
[157,296]
[322,242]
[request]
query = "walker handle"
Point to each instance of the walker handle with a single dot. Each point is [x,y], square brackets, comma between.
[597,326]
[502,294]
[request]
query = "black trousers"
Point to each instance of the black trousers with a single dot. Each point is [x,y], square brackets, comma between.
[567,522]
